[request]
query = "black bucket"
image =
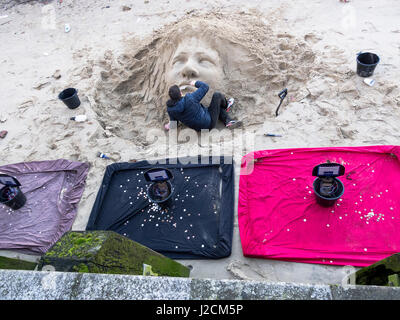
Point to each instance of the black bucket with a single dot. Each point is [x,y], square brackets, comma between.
[12,197]
[366,64]
[160,190]
[70,98]
[325,201]
[153,193]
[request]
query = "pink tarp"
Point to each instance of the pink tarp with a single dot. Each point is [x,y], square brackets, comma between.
[280,219]
[53,190]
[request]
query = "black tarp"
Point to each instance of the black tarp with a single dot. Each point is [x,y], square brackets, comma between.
[197,224]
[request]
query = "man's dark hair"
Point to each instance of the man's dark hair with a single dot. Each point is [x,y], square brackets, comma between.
[174,93]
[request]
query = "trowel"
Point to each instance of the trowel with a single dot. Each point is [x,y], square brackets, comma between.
[282,95]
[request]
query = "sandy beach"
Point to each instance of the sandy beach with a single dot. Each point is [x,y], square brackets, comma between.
[117,53]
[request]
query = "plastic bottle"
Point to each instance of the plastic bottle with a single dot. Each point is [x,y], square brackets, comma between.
[79,118]
[102,155]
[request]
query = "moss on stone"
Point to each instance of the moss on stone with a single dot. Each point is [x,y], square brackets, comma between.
[76,244]
[377,274]
[16,264]
[130,258]
[394,280]
[82,268]
[108,252]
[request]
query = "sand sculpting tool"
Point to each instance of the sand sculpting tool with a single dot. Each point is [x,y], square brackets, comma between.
[272,135]
[282,95]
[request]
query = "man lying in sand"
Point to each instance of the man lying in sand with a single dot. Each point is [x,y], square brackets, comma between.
[188,109]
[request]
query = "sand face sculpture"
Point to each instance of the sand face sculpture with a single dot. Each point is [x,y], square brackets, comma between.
[194,59]
[244,60]
[240,55]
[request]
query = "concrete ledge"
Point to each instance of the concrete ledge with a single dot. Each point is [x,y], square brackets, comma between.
[205,289]
[39,285]
[34,285]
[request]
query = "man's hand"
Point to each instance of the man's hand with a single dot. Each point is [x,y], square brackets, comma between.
[193,83]
[166,126]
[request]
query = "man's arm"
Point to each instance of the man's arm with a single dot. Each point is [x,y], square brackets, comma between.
[201,91]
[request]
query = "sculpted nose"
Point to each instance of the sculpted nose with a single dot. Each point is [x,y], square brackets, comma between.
[189,71]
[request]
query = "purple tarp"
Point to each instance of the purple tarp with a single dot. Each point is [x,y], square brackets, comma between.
[53,190]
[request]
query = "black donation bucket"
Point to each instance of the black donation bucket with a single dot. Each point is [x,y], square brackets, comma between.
[160,190]
[327,188]
[328,200]
[366,64]
[70,98]
[11,195]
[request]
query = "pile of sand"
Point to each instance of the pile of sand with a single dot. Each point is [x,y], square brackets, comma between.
[258,63]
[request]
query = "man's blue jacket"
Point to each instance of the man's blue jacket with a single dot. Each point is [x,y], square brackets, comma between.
[189,110]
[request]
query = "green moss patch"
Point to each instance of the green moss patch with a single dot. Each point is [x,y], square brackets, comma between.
[110,253]
[16,264]
[378,273]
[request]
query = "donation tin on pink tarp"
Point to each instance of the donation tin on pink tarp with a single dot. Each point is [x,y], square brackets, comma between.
[279,217]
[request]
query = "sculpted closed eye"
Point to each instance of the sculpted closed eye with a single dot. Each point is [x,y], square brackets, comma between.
[206,60]
[179,59]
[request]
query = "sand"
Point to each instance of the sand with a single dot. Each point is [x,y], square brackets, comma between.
[119,58]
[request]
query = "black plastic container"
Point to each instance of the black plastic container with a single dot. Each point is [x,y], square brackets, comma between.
[11,195]
[160,190]
[366,64]
[70,98]
[327,188]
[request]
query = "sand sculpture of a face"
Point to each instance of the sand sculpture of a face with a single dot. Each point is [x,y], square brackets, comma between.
[194,59]
[244,60]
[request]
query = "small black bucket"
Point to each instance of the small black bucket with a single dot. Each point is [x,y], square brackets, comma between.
[325,201]
[70,98]
[160,190]
[366,64]
[327,188]
[11,195]
[154,194]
